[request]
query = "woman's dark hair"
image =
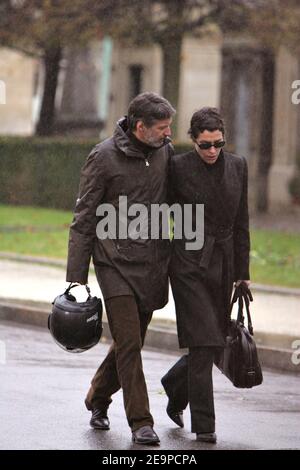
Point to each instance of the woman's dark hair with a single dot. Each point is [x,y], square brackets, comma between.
[206,119]
[149,108]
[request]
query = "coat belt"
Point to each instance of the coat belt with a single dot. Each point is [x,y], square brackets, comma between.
[210,242]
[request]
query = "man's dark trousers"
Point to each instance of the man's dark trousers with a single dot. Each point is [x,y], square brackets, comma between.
[122,366]
[190,381]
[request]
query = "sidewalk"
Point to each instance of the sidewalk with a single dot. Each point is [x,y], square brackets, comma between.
[275,314]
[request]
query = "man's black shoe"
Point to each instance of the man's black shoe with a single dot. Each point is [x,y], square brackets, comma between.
[99,420]
[210,437]
[145,435]
[176,416]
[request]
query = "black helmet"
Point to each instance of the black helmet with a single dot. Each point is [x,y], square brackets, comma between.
[76,326]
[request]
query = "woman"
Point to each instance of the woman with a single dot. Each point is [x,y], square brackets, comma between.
[202,280]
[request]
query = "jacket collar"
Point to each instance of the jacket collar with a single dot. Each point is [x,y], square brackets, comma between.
[124,143]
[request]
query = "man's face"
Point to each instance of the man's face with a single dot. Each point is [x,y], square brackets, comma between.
[156,134]
[211,154]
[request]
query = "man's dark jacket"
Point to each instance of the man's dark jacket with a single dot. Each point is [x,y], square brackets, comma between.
[202,280]
[123,266]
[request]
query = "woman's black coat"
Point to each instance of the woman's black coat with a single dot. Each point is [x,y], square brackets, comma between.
[202,279]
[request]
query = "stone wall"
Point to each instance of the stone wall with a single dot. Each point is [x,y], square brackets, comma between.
[200,79]
[17,72]
[149,58]
[286,142]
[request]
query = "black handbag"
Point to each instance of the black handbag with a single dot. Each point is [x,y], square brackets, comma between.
[239,360]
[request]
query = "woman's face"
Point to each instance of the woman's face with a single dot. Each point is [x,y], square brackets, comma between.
[211,154]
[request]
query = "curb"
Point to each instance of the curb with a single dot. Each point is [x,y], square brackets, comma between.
[58,263]
[278,358]
[41,260]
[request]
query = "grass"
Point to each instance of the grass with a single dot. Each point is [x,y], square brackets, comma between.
[275,256]
[34,231]
[33,216]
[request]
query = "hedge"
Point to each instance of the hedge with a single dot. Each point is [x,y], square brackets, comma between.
[43,172]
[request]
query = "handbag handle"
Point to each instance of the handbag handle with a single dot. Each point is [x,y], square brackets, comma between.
[242,299]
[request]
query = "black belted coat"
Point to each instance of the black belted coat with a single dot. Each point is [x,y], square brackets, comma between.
[202,279]
[116,167]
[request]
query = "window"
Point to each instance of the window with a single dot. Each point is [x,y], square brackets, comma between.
[135,80]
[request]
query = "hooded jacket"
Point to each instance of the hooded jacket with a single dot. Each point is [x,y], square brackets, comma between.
[124,266]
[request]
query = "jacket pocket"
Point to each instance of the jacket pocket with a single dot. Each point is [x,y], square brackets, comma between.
[134,251]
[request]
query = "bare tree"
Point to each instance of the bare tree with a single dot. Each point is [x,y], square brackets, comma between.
[42,28]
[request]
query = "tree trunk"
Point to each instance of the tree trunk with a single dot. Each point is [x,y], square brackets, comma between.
[52,59]
[171,51]
[266,149]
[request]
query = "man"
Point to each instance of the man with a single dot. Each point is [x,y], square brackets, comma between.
[202,280]
[132,273]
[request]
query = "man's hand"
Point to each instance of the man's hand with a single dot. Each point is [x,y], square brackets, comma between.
[242,288]
[247,282]
[77,282]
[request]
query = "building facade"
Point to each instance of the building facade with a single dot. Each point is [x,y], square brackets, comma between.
[251,86]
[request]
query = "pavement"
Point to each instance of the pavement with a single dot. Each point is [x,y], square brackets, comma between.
[43,388]
[275,311]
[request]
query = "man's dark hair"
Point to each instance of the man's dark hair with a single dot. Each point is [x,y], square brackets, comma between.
[206,119]
[149,108]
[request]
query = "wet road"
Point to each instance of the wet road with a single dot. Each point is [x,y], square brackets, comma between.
[42,391]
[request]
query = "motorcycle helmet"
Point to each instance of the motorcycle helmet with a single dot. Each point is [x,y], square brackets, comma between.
[75,326]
